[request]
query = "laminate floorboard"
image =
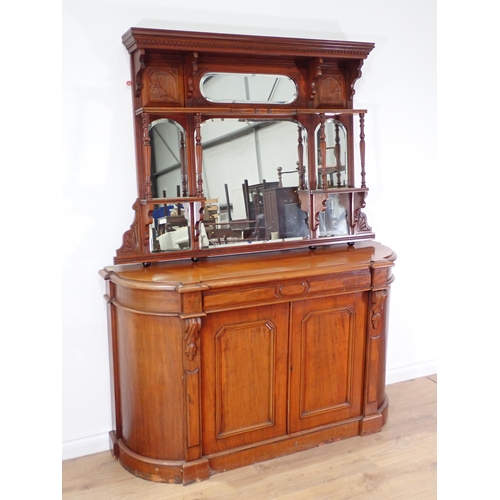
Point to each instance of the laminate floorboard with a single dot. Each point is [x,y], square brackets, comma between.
[397,463]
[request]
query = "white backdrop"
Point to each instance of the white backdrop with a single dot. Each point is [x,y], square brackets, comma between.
[398,87]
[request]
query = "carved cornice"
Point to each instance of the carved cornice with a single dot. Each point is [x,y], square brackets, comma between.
[146,38]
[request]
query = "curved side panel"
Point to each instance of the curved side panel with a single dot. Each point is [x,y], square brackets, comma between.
[151,388]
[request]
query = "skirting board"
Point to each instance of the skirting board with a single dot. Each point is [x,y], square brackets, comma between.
[85,445]
[410,371]
[95,443]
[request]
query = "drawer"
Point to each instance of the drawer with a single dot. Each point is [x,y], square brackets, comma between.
[232,298]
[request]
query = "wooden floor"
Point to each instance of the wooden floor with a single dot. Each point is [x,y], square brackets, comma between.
[397,463]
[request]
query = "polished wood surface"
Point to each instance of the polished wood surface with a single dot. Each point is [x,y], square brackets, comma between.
[230,361]
[398,463]
[221,271]
[327,356]
[245,367]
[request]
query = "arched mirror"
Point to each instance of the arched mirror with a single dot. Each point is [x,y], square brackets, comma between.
[168,142]
[334,136]
[248,88]
[169,230]
[252,170]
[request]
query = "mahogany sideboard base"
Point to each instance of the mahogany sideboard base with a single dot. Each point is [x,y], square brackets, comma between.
[230,361]
[164,471]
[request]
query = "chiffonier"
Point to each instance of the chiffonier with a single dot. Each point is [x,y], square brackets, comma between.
[248,302]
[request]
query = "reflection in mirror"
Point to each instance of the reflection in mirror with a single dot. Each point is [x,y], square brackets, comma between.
[248,88]
[167,140]
[252,170]
[333,221]
[335,137]
[170,228]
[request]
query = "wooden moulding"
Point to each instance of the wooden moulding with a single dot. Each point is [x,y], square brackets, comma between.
[197,470]
[187,41]
[162,471]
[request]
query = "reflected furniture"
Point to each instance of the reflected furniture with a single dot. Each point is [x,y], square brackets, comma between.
[282,215]
[253,328]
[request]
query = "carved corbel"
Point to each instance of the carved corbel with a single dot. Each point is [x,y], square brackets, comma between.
[192,328]
[356,75]
[315,71]
[378,302]
[138,67]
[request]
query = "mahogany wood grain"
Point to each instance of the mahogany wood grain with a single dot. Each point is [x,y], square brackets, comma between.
[327,341]
[244,382]
[228,361]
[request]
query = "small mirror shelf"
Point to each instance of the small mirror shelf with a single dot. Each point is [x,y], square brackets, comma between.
[249,146]
[331,142]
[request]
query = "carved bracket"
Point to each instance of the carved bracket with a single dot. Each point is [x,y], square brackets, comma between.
[359,220]
[315,71]
[131,237]
[357,75]
[378,302]
[362,223]
[138,67]
[192,328]
[136,240]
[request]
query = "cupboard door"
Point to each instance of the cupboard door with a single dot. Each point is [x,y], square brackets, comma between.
[326,360]
[244,376]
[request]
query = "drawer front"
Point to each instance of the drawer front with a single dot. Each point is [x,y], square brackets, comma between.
[286,290]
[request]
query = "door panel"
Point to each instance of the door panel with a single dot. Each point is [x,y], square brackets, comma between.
[244,366]
[326,360]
